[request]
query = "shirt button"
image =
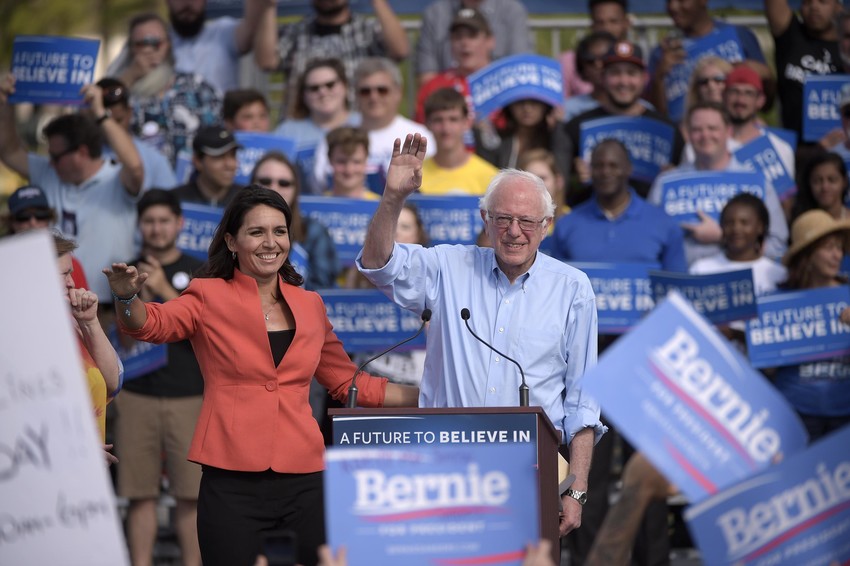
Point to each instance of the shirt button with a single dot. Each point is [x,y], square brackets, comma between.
[507,301]
[492,390]
[271,385]
[501,330]
[498,358]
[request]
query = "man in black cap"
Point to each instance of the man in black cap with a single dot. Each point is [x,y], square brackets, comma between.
[214,158]
[623,80]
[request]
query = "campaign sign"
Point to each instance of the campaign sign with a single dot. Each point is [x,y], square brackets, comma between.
[723,42]
[650,142]
[623,293]
[426,505]
[683,396]
[366,321]
[300,259]
[761,155]
[683,194]
[52,70]
[139,358]
[821,94]
[183,167]
[788,136]
[449,219]
[199,225]
[719,297]
[800,326]
[256,145]
[57,506]
[797,512]
[513,78]
[346,220]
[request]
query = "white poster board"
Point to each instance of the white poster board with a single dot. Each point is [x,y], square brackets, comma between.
[56,501]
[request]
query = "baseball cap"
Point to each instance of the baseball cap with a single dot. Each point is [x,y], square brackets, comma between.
[471,18]
[28,196]
[744,75]
[624,52]
[214,141]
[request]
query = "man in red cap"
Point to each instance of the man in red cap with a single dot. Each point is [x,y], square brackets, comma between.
[743,99]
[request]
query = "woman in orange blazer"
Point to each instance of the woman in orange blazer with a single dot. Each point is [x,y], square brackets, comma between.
[259,339]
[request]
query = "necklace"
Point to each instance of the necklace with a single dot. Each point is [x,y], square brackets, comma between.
[268,312]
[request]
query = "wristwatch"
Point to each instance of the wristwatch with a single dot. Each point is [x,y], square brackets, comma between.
[103,117]
[580,496]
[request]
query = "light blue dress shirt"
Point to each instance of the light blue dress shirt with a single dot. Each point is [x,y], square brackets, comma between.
[546,321]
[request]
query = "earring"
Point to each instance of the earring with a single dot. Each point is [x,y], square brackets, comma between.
[233,255]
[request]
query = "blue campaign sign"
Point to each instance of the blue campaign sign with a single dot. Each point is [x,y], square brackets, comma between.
[650,142]
[366,321]
[719,297]
[140,358]
[426,505]
[450,219]
[52,70]
[821,94]
[687,399]
[199,225]
[623,293]
[513,78]
[799,326]
[346,220]
[761,155]
[683,194]
[183,167]
[254,146]
[449,429]
[300,259]
[797,512]
[723,43]
[788,136]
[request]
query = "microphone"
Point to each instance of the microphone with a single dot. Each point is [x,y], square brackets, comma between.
[523,389]
[352,390]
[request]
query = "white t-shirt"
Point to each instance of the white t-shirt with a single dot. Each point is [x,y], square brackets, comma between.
[767,274]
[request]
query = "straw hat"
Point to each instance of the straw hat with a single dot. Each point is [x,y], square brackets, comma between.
[810,227]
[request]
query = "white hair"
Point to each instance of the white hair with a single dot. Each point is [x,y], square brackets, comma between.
[505,176]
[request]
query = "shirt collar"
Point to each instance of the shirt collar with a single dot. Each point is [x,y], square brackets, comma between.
[630,211]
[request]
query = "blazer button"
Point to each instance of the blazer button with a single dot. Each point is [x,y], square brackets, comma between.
[271,385]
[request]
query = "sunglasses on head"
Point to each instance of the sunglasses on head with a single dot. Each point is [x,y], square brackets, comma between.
[25,215]
[367,90]
[720,79]
[148,41]
[317,87]
[269,182]
[114,95]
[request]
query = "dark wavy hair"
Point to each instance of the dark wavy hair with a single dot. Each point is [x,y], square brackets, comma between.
[221,262]
[805,200]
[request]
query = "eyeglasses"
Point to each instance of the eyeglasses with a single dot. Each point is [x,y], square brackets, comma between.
[25,216]
[317,87]
[55,157]
[148,41]
[719,79]
[525,224]
[269,182]
[367,90]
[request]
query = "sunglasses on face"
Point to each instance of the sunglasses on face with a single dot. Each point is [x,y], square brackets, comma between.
[55,157]
[317,87]
[367,90]
[149,41]
[269,182]
[719,79]
[26,215]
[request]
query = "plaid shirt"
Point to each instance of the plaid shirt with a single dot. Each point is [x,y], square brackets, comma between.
[298,44]
[169,123]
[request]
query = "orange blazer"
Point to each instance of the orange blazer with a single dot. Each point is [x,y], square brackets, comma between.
[256,416]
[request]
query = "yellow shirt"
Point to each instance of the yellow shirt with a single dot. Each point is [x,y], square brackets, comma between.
[471,178]
[367,195]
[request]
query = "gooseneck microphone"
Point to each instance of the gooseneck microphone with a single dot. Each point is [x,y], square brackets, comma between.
[523,388]
[352,390]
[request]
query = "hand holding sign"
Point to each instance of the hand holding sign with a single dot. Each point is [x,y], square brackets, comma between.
[706,231]
[404,174]
[93,97]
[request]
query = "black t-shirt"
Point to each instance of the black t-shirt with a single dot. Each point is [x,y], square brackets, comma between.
[798,55]
[192,194]
[181,376]
[567,148]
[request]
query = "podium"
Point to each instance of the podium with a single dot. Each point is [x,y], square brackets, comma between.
[405,427]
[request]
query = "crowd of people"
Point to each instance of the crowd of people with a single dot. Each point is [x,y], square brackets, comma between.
[237,426]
